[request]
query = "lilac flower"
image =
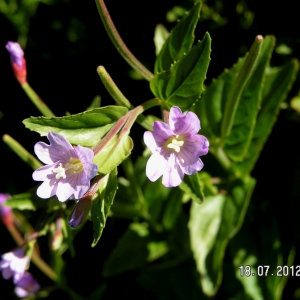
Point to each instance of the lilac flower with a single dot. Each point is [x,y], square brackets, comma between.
[5,211]
[16,53]
[14,264]
[68,171]
[175,148]
[26,286]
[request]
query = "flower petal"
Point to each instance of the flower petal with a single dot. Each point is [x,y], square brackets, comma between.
[150,142]
[162,131]
[173,175]
[42,152]
[90,170]
[156,166]
[60,148]
[44,173]
[84,154]
[47,189]
[192,169]
[188,125]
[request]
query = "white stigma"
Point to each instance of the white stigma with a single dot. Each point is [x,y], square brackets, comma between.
[175,144]
[60,172]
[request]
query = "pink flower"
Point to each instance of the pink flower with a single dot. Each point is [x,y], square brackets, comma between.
[175,148]
[68,170]
[14,264]
[26,286]
[17,61]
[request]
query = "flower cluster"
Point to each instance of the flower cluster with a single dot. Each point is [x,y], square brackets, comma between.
[175,148]
[68,170]
[14,264]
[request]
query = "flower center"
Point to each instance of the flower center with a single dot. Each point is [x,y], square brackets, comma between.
[73,166]
[175,142]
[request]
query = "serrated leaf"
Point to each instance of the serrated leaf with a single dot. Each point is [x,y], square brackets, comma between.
[179,41]
[237,143]
[85,129]
[277,84]
[116,151]
[212,224]
[182,85]
[210,108]
[102,203]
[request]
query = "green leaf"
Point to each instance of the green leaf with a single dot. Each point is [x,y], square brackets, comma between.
[160,35]
[212,224]
[277,84]
[96,103]
[102,203]
[179,41]
[117,150]
[237,143]
[193,187]
[172,209]
[26,201]
[134,249]
[182,85]
[239,84]
[85,129]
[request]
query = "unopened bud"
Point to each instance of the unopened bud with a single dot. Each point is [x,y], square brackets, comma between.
[5,211]
[18,62]
[80,212]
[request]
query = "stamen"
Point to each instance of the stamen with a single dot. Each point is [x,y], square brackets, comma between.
[175,144]
[60,172]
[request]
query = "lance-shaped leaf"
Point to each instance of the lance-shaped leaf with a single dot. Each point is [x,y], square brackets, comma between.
[212,224]
[179,41]
[85,129]
[277,84]
[102,202]
[182,85]
[238,87]
[237,143]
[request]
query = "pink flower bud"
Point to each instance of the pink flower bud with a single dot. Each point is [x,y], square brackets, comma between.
[5,211]
[80,212]
[17,61]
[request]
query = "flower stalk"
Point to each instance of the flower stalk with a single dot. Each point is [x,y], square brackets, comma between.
[118,42]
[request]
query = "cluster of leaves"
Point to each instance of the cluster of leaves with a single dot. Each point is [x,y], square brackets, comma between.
[169,233]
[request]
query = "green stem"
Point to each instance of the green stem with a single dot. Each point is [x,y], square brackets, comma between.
[112,88]
[118,42]
[22,152]
[220,155]
[37,101]
[238,87]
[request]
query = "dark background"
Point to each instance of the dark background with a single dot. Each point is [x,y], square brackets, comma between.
[67,42]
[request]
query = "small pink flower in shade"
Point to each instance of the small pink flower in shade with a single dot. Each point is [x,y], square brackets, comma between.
[14,264]
[175,148]
[26,286]
[5,211]
[17,61]
[68,170]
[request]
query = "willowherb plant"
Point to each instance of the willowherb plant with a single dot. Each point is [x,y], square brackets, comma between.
[237,112]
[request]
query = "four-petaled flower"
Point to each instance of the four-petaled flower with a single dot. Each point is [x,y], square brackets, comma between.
[14,264]
[175,148]
[68,171]
[26,286]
